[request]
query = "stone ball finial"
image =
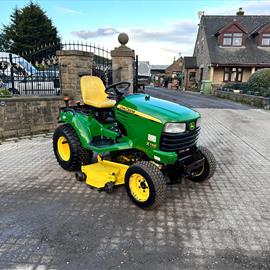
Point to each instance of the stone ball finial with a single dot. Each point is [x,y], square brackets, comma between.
[123,38]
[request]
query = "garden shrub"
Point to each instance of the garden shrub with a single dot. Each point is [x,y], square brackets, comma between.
[260,81]
[244,86]
[4,93]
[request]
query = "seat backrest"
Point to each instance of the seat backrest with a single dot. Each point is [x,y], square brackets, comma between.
[92,89]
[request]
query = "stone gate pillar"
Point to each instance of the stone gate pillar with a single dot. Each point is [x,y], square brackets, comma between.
[123,62]
[72,63]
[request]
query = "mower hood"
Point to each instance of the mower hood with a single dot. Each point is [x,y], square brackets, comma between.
[155,109]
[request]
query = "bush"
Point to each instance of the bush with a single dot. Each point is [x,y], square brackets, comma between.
[260,81]
[243,86]
[247,88]
[4,93]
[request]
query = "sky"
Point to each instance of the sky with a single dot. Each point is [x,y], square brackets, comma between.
[159,30]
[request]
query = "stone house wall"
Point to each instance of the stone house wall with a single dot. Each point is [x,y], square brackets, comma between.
[202,54]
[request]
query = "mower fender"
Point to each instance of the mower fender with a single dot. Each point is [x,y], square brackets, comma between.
[80,123]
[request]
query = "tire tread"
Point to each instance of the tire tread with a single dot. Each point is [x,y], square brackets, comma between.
[80,155]
[158,180]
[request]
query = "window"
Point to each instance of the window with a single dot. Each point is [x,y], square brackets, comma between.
[192,76]
[237,39]
[227,41]
[232,39]
[266,40]
[233,74]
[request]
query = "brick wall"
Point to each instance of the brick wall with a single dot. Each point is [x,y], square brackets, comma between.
[21,116]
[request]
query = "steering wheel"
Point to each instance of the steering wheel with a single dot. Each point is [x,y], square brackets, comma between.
[115,91]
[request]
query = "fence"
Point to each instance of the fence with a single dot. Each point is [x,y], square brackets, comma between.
[37,72]
[21,77]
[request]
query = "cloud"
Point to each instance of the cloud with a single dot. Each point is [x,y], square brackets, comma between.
[94,34]
[69,11]
[159,45]
[170,50]
[183,32]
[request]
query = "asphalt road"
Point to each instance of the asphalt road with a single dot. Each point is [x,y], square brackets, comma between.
[50,221]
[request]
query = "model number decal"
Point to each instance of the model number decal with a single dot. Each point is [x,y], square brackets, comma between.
[152,145]
[124,108]
[143,115]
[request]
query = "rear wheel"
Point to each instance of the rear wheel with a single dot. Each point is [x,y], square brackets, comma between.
[145,185]
[208,169]
[68,150]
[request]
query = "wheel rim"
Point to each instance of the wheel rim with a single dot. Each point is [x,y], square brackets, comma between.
[63,148]
[199,172]
[139,187]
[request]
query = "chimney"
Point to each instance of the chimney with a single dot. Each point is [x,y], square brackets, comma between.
[240,12]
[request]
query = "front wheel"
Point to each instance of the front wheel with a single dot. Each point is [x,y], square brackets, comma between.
[208,169]
[145,185]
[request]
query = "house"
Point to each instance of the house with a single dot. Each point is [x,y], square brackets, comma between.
[158,74]
[190,66]
[231,48]
[158,69]
[175,68]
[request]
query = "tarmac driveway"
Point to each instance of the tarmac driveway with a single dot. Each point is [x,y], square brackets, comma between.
[50,221]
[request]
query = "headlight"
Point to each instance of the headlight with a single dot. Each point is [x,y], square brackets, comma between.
[198,122]
[175,127]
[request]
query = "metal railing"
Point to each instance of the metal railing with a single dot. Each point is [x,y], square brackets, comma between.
[37,72]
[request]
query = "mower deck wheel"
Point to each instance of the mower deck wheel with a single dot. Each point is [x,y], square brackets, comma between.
[109,187]
[80,176]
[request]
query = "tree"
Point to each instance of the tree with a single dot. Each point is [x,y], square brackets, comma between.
[29,28]
[3,43]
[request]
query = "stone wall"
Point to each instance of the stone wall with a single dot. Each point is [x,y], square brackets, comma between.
[21,116]
[260,102]
[123,62]
[72,63]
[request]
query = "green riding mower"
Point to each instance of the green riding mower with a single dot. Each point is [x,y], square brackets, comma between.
[141,142]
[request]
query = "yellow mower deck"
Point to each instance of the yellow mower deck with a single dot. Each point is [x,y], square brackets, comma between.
[104,171]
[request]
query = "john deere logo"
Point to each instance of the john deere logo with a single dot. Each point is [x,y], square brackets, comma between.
[191,125]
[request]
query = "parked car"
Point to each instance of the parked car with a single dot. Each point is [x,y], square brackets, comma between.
[20,77]
[34,86]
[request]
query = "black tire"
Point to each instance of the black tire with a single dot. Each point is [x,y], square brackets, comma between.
[78,155]
[155,180]
[209,166]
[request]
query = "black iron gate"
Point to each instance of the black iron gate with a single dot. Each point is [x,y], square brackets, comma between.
[135,76]
[38,72]
[23,77]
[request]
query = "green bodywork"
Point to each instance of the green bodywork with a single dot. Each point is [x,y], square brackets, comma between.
[140,132]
